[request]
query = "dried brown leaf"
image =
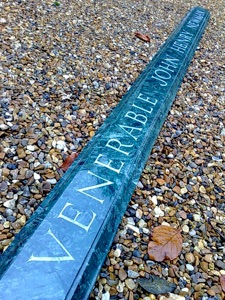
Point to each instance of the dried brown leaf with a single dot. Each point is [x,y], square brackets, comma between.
[166,243]
[68,161]
[143,37]
[222,281]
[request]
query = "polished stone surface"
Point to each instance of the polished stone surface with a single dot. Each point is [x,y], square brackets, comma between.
[58,254]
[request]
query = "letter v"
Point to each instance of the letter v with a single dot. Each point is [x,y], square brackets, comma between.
[56,258]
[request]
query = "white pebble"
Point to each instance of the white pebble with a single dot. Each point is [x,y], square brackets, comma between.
[223,132]
[36,176]
[189,267]
[130,221]
[192,232]
[142,224]
[139,213]
[106,296]
[9,204]
[185,229]
[117,252]
[158,212]
[146,230]
[140,185]
[60,145]
[196,217]
[2,20]
[134,228]
[119,287]
[3,126]
[172,297]
[30,148]
[135,206]
[52,180]
[154,200]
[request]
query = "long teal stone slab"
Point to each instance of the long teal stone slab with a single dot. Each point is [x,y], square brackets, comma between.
[59,252]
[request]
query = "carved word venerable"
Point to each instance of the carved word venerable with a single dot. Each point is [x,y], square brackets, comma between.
[59,252]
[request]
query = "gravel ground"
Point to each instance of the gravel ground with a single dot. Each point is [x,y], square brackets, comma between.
[63,70]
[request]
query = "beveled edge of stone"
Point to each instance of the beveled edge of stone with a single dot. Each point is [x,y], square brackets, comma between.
[17,244]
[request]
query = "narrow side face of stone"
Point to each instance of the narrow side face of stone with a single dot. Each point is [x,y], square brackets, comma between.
[58,254]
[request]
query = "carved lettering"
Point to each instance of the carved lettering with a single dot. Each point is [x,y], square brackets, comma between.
[196,19]
[129,130]
[161,82]
[136,117]
[162,74]
[108,165]
[185,38]
[171,60]
[141,108]
[93,187]
[180,47]
[153,102]
[169,64]
[53,258]
[78,213]
[182,41]
[117,145]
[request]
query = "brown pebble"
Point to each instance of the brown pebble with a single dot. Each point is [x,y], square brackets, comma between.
[122,274]
[3,237]
[197,295]
[171,273]
[198,287]
[211,292]
[21,153]
[16,225]
[189,258]
[130,283]
[128,262]
[204,266]
[137,260]
[6,242]
[208,257]
[183,214]
[133,268]
[131,296]
[217,289]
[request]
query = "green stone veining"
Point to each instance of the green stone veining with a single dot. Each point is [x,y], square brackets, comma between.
[58,254]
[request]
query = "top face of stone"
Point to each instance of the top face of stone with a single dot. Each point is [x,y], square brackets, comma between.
[50,255]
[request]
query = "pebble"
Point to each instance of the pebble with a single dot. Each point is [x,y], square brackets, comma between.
[185,229]
[139,213]
[52,106]
[142,223]
[158,212]
[172,297]
[3,186]
[154,200]
[192,232]
[122,274]
[106,296]
[190,258]
[220,264]
[120,287]
[197,217]
[189,267]
[117,252]
[130,284]
[10,204]
[132,274]
[140,185]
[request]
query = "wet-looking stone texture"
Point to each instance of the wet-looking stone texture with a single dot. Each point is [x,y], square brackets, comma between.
[59,252]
